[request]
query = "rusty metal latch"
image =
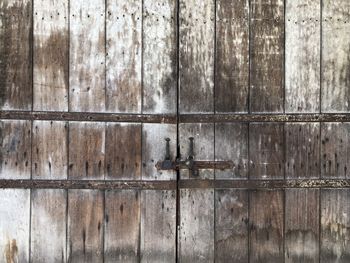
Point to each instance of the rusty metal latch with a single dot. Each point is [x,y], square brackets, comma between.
[190,164]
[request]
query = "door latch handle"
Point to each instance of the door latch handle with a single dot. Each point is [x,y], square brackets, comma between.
[190,163]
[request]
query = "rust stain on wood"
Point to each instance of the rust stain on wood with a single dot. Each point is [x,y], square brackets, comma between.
[11,251]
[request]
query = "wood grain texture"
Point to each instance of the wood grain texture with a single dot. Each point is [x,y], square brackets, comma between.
[48,225]
[267,57]
[196,234]
[159,56]
[14,225]
[302,49]
[302,225]
[123,151]
[15,142]
[86,150]
[16,50]
[335,225]
[335,156]
[231,144]
[232,56]
[266,149]
[266,226]
[49,150]
[197,41]
[122,226]
[158,226]
[50,60]
[87,56]
[153,150]
[123,56]
[302,150]
[335,56]
[85,225]
[203,146]
[231,226]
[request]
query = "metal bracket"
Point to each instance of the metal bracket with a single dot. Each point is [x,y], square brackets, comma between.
[190,164]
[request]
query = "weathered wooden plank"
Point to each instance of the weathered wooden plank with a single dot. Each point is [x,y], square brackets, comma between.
[159,56]
[87,55]
[196,233]
[123,56]
[196,56]
[153,150]
[49,150]
[48,225]
[334,150]
[267,57]
[302,225]
[335,56]
[158,226]
[123,151]
[86,150]
[231,143]
[203,146]
[335,225]
[14,225]
[122,226]
[302,150]
[51,47]
[302,49]
[16,50]
[85,225]
[232,56]
[266,226]
[15,142]
[231,226]
[266,149]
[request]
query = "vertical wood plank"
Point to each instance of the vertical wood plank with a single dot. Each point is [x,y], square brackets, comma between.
[87,56]
[123,56]
[266,226]
[48,225]
[196,237]
[335,56]
[197,56]
[303,27]
[51,47]
[85,225]
[302,225]
[49,150]
[231,225]
[122,226]
[231,143]
[232,56]
[159,56]
[267,57]
[153,150]
[16,50]
[203,146]
[15,142]
[335,225]
[334,150]
[158,226]
[86,150]
[302,150]
[123,151]
[266,149]
[14,225]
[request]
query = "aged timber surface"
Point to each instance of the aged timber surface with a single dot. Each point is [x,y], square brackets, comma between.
[171,184]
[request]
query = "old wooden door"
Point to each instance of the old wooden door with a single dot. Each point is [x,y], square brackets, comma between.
[89,90]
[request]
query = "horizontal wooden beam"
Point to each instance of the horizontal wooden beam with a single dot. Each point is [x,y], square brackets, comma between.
[172,118]
[170,185]
[87,116]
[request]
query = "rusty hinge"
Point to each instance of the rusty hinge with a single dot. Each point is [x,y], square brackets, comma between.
[190,164]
